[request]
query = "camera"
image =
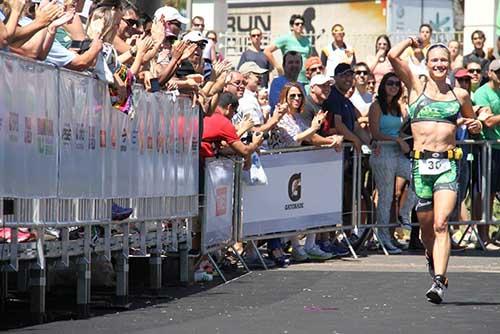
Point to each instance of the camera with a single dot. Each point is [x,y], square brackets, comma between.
[248,138]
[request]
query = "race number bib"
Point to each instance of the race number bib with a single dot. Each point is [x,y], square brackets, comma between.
[433,166]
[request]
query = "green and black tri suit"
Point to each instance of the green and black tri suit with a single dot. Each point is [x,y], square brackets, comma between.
[424,185]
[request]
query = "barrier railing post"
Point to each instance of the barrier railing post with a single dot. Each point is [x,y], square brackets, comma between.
[84,275]
[4,290]
[183,261]
[122,269]
[37,292]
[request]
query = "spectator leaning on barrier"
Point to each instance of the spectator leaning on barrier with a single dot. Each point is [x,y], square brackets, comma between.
[292,64]
[218,130]
[343,117]
[489,95]
[478,55]
[337,52]
[256,54]
[127,28]
[294,41]
[388,160]
[249,104]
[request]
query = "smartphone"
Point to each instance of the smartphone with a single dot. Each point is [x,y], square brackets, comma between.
[155,85]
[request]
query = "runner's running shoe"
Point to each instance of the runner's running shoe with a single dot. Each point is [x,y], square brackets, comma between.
[435,294]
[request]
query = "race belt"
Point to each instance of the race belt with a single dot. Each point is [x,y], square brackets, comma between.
[454,154]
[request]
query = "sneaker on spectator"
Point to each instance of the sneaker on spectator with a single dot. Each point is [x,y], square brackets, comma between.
[282,261]
[120,213]
[255,263]
[336,249]
[341,248]
[299,254]
[315,253]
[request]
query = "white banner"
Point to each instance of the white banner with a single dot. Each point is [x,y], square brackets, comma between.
[304,191]
[28,129]
[217,224]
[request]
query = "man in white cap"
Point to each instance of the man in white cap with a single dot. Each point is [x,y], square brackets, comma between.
[249,104]
[319,90]
[171,18]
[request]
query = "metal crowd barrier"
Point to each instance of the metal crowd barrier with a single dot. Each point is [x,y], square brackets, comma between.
[67,155]
[487,218]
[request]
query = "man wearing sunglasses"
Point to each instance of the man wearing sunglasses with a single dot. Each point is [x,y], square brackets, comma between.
[294,41]
[361,98]
[337,52]
[475,71]
[256,54]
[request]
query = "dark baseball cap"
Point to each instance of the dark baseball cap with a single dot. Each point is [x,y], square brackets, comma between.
[343,68]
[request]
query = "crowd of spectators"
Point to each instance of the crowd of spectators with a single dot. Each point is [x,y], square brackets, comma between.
[316,99]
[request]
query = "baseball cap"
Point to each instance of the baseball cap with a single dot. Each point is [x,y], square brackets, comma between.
[495,65]
[194,36]
[321,79]
[462,73]
[312,61]
[343,68]
[170,14]
[251,67]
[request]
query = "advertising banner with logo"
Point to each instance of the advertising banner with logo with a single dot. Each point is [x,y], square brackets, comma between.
[28,129]
[217,224]
[304,191]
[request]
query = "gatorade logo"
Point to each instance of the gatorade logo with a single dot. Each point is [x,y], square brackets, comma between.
[294,187]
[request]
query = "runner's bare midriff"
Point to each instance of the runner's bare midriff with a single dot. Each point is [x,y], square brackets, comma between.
[433,136]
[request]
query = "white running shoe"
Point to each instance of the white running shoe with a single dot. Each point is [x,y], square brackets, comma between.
[435,294]
[315,253]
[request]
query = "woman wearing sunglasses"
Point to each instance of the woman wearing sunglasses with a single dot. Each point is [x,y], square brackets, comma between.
[434,109]
[389,161]
[292,131]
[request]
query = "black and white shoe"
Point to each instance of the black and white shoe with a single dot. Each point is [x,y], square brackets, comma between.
[435,294]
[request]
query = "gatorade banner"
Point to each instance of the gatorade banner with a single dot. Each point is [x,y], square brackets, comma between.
[217,224]
[299,194]
[28,129]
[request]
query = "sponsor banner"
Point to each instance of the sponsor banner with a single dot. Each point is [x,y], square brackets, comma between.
[304,191]
[82,105]
[28,129]
[217,225]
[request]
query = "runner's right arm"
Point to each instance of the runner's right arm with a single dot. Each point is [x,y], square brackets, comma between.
[401,67]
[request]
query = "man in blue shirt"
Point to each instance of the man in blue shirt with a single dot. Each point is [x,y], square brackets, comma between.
[292,64]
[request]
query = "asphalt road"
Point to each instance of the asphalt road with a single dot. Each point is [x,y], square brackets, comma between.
[377,294]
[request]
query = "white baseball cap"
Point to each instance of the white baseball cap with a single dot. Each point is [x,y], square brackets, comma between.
[170,14]
[251,67]
[321,79]
[194,36]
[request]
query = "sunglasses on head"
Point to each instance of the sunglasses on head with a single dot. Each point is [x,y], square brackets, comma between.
[392,83]
[295,96]
[474,70]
